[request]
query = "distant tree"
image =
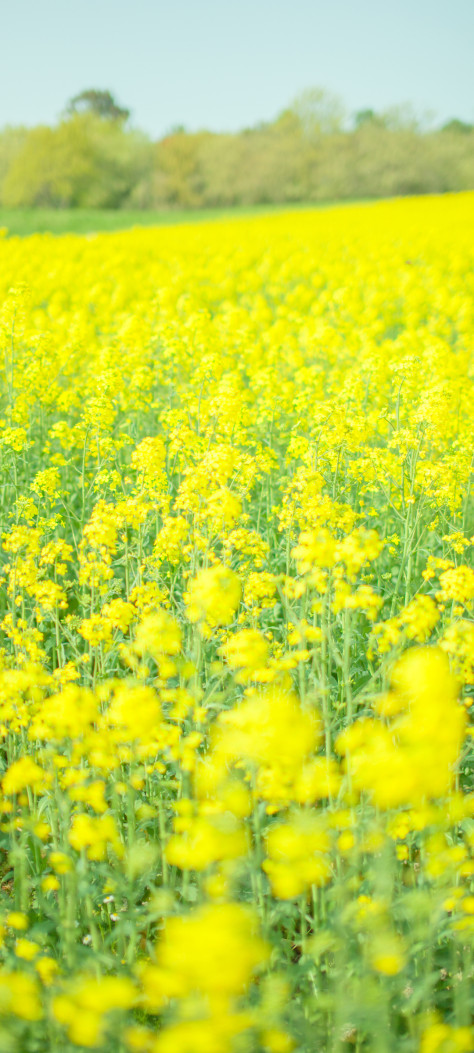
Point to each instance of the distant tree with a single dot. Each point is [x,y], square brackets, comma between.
[319,112]
[403,118]
[47,172]
[365,117]
[178,169]
[11,143]
[176,129]
[93,159]
[100,103]
[84,162]
[288,122]
[268,165]
[458,127]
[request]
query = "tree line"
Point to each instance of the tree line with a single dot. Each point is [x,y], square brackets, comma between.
[94,158]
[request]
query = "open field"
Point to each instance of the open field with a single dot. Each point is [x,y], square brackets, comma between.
[237,635]
[89,221]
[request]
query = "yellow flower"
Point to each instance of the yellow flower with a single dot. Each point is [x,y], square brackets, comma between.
[119,613]
[269,730]
[204,840]
[246,650]
[213,596]
[26,949]
[19,996]
[81,1009]
[96,629]
[95,835]
[298,855]
[23,773]
[47,969]
[134,712]
[416,757]
[215,950]
[225,448]
[50,883]
[158,634]
[148,459]
[387,956]
[61,863]
[17,919]
[457,584]
[444,1038]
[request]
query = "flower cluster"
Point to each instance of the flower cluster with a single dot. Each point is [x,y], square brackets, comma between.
[237,635]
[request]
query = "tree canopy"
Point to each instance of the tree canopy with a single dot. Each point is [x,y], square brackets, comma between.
[100,103]
[312,151]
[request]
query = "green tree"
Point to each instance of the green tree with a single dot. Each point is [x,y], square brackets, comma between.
[458,127]
[51,169]
[11,142]
[84,162]
[100,103]
[319,112]
[94,159]
[178,176]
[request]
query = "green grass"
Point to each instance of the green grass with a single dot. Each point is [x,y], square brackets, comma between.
[89,221]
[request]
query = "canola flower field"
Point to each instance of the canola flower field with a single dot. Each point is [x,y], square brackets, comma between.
[237,635]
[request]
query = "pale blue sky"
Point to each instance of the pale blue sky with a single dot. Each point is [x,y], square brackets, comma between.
[225,64]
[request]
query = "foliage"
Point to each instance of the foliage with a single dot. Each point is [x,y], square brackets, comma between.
[237,635]
[85,162]
[101,103]
[310,152]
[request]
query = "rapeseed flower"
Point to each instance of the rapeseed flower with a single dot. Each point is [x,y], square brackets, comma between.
[237,646]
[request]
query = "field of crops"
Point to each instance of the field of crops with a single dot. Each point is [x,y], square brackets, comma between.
[237,635]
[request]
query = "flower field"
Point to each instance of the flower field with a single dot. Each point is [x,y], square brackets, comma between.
[237,635]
